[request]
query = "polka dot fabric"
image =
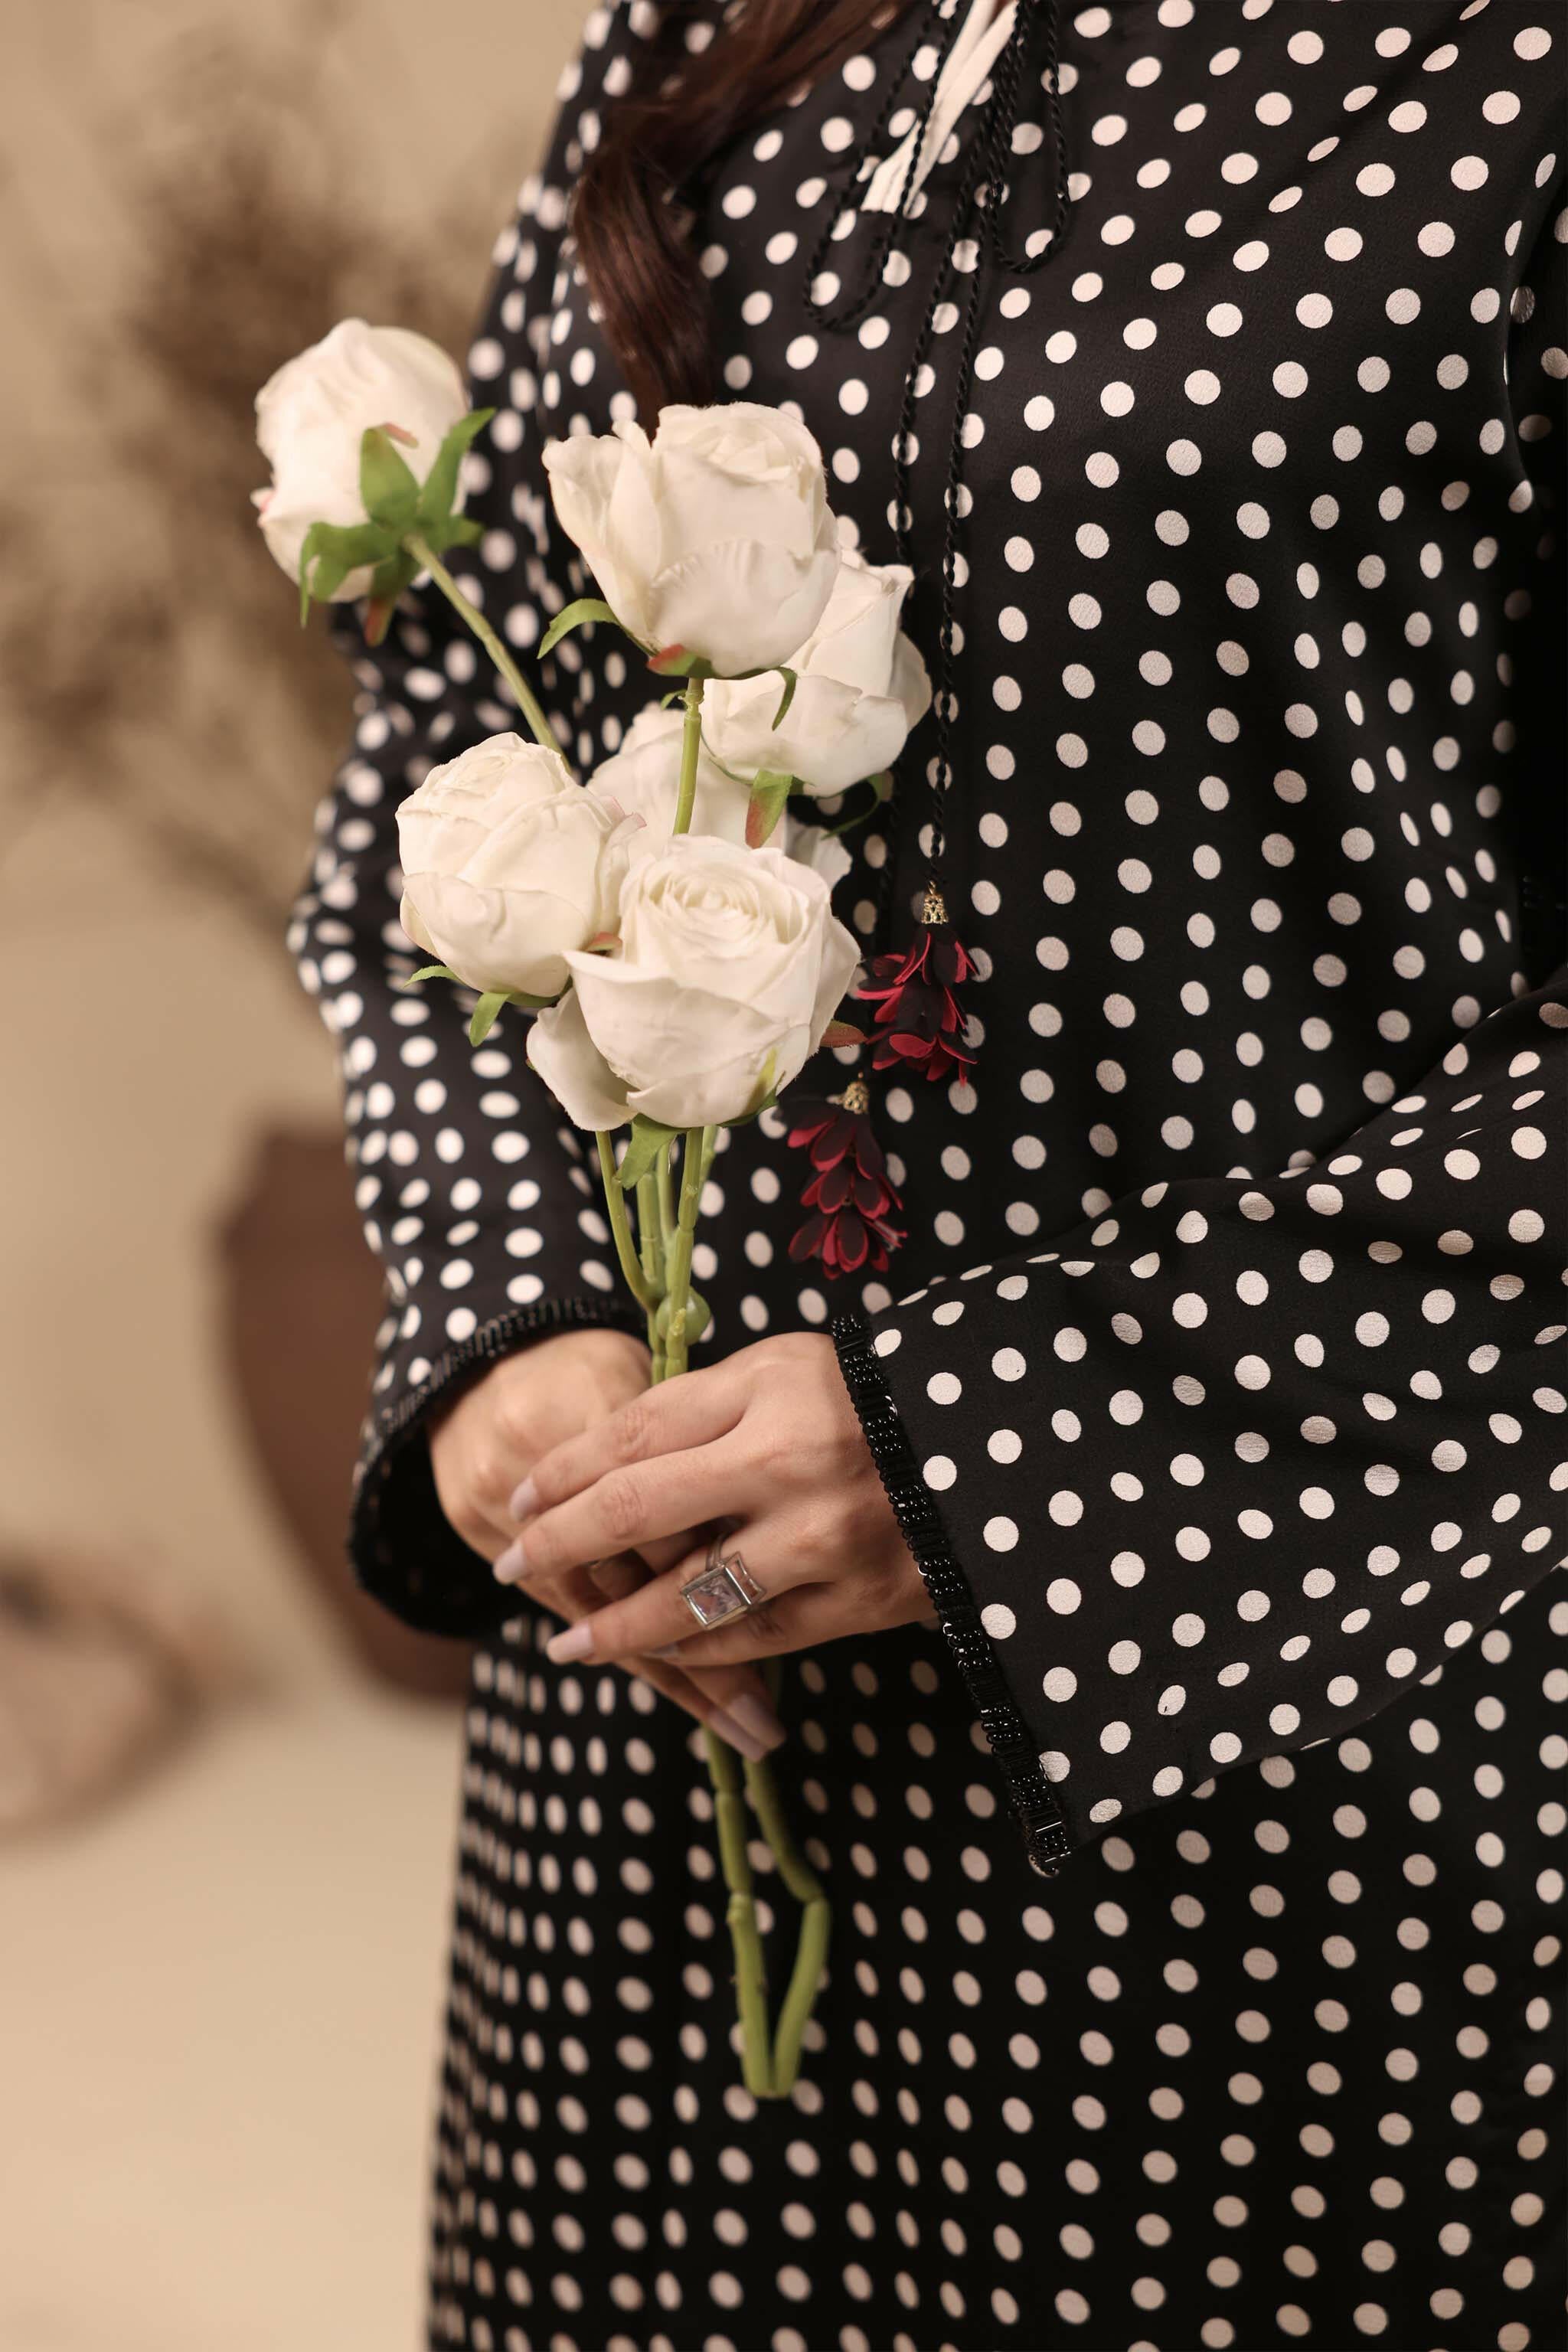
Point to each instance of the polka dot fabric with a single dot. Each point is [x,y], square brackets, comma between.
[1227,1334]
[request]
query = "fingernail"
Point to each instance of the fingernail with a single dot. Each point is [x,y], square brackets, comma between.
[513,1565]
[576,1642]
[736,1735]
[757,1720]
[525,1501]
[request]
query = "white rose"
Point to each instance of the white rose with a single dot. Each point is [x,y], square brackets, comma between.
[860,688]
[715,536]
[730,966]
[508,864]
[815,845]
[311,416]
[644,778]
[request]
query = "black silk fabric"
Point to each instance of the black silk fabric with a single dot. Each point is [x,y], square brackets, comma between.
[1227,1333]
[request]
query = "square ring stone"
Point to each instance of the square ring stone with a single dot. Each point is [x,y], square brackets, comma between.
[727,1590]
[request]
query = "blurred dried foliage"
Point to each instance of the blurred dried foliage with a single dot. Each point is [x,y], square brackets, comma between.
[151,654]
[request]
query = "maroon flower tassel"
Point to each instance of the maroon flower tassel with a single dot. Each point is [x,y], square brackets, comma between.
[850,1198]
[921,1025]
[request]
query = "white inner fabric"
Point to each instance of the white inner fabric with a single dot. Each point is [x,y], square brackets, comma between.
[979,43]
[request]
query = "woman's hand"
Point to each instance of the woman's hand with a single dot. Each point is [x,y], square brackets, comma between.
[532,1402]
[766,1443]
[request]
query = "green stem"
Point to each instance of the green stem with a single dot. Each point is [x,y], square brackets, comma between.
[745,1938]
[651,1234]
[620,1226]
[528,702]
[811,1947]
[651,1237]
[690,745]
[668,1235]
[665,1198]
[678,1289]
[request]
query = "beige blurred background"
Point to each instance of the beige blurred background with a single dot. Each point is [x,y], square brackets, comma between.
[226,1810]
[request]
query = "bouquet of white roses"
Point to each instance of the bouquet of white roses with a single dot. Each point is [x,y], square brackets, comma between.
[668,923]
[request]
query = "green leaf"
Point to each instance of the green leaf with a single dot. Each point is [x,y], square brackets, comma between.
[882,784]
[769,790]
[649,1138]
[791,682]
[495,998]
[463,530]
[585,608]
[308,555]
[765,1094]
[487,1013]
[386,483]
[331,551]
[393,576]
[387,584]
[435,507]
[765,1091]
[328,577]
[758,1106]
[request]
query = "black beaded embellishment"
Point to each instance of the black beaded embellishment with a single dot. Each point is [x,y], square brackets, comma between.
[1046,1840]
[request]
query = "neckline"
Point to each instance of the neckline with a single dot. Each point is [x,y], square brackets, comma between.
[900,175]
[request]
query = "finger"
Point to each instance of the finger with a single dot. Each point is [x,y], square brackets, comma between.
[738,1691]
[628,1506]
[659,1615]
[577,1591]
[733,1699]
[806,1614]
[670,1419]
[616,1579]
[658,1552]
[754,1728]
[661,1552]
[741,1690]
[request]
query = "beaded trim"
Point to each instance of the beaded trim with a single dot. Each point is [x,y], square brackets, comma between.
[371,1551]
[497,1338]
[1046,1840]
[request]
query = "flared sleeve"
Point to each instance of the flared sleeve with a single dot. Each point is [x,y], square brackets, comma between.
[1225,1469]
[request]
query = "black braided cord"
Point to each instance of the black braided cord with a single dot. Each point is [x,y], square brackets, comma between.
[982,191]
[979,200]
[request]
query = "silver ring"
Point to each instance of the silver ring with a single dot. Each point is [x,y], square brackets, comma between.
[724,1589]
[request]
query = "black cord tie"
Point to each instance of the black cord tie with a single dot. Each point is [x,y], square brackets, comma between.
[919,1017]
[983,199]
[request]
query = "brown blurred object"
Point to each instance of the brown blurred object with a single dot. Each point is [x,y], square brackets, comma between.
[300,1298]
[105,1665]
[151,662]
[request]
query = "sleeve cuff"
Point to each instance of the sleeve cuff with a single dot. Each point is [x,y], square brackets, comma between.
[1046,1843]
[403,1550]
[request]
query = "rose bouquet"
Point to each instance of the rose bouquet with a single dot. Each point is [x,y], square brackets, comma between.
[667,923]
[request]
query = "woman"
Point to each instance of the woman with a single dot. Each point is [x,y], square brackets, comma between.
[1216,1387]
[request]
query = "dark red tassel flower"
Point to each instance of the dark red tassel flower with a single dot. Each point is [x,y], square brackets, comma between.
[920,1024]
[850,1197]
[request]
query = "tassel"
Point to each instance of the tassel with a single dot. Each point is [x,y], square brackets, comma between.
[850,1198]
[921,1025]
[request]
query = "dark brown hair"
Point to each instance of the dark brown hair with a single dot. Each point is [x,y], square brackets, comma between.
[631,226]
